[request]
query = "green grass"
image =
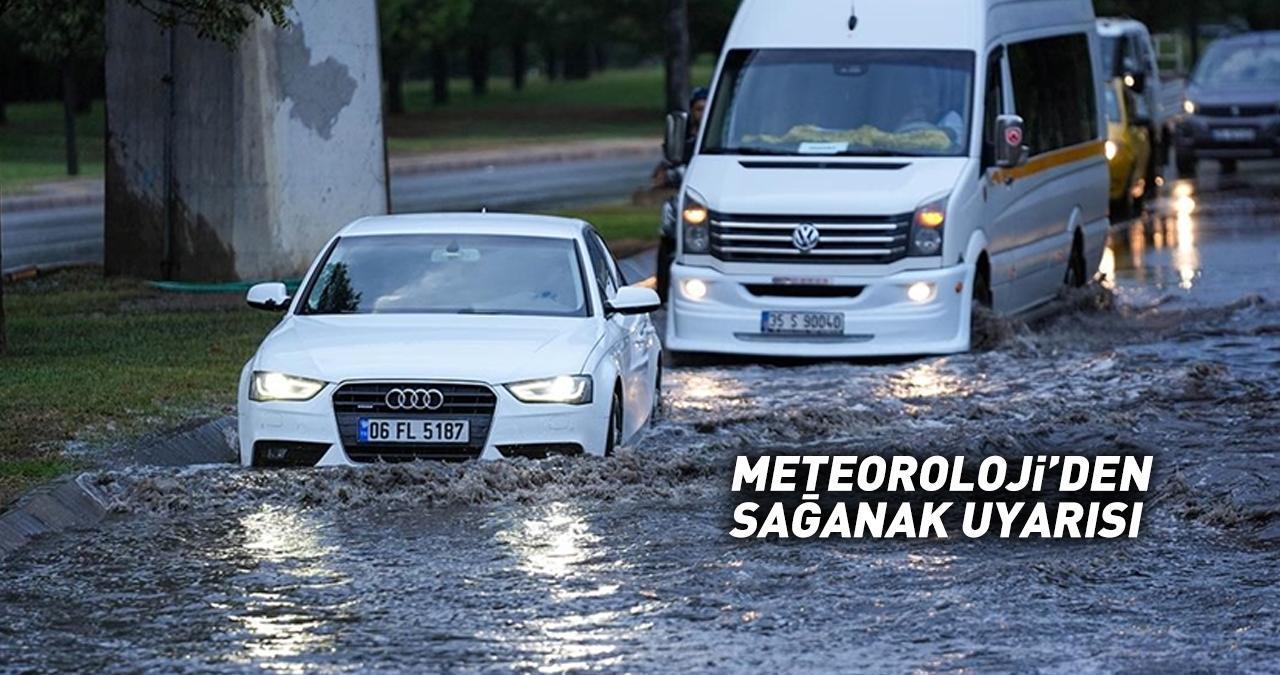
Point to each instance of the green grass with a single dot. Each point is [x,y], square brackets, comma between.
[612,104]
[97,360]
[622,225]
[32,149]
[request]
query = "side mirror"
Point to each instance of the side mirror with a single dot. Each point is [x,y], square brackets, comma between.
[1010,151]
[633,300]
[677,132]
[1136,81]
[272,297]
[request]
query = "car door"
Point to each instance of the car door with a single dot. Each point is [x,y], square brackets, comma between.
[1004,194]
[636,336]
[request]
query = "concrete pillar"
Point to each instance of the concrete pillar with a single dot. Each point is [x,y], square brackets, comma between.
[228,164]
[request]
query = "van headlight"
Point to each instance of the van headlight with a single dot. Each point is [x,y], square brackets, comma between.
[926,228]
[567,389]
[695,221]
[270,386]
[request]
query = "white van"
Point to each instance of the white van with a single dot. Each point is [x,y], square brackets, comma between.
[870,170]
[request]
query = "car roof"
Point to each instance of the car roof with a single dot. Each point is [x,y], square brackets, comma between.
[1258,37]
[500,224]
[1115,27]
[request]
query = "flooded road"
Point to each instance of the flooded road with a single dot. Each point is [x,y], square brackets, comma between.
[625,564]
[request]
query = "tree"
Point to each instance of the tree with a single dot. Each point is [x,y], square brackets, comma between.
[61,33]
[677,54]
[417,29]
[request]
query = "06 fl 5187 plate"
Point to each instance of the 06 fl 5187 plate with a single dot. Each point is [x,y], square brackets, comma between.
[448,432]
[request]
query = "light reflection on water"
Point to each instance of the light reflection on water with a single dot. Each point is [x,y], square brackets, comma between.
[1171,231]
[284,547]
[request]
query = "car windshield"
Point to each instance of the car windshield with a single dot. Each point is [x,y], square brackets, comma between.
[842,102]
[1240,64]
[449,274]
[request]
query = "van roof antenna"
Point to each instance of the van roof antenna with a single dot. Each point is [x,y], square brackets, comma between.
[484,209]
[853,15]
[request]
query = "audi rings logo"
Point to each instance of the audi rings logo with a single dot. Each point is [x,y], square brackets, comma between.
[805,237]
[414,399]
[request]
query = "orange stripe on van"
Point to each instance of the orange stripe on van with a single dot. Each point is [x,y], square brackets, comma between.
[1052,160]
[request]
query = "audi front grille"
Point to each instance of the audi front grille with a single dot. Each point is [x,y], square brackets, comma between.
[471,402]
[843,240]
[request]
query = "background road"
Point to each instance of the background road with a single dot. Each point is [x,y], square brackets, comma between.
[61,235]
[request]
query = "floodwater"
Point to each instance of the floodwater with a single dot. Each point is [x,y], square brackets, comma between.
[626,565]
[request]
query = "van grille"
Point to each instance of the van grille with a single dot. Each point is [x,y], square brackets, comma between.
[865,240]
[472,402]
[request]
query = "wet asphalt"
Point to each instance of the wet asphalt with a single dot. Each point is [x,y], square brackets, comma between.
[625,565]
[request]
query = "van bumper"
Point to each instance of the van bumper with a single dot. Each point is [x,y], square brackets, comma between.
[880,321]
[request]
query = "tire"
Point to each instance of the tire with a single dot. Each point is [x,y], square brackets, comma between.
[979,337]
[656,413]
[614,437]
[1186,164]
[1077,269]
[1229,167]
[666,256]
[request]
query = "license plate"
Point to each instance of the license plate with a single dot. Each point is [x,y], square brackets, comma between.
[803,323]
[1235,135]
[414,431]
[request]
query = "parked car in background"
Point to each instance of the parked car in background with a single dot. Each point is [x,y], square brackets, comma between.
[1232,104]
[1129,54]
[452,337]
[1129,150]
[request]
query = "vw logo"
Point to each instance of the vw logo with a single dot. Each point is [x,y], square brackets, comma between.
[414,399]
[805,237]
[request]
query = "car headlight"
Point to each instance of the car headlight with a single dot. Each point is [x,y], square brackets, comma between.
[926,228]
[1112,150]
[695,221]
[269,386]
[1189,106]
[568,389]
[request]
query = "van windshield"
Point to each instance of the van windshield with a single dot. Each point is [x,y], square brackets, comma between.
[843,102]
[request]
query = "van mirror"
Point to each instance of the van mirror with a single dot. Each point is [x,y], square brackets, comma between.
[677,131]
[1137,81]
[1010,150]
[273,297]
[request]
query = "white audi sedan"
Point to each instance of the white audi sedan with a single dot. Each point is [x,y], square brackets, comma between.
[452,337]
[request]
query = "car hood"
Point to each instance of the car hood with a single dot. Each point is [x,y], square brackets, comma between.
[889,186]
[490,349]
[1237,94]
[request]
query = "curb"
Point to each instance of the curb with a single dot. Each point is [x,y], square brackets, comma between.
[445,162]
[66,504]
[38,203]
[72,503]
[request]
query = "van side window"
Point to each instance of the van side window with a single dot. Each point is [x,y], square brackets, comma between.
[993,105]
[1054,92]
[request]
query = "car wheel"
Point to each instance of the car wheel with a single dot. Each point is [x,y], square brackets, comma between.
[656,413]
[980,334]
[614,437]
[1077,270]
[1229,167]
[1186,164]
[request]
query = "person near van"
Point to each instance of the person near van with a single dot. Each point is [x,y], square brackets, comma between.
[668,176]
